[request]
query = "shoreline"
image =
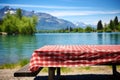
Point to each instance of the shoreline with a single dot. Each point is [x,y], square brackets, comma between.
[18,64]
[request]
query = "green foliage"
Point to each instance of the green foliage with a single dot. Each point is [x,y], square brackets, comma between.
[107,29]
[21,63]
[18,24]
[67,30]
[88,29]
[113,26]
[116,21]
[118,28]
[8,66]
[19,13]
[78,29]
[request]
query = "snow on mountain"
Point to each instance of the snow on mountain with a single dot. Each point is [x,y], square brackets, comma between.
[83,25]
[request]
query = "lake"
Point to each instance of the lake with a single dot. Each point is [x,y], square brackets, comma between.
[14,48]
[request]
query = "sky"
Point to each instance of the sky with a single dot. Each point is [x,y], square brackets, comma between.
[86,11]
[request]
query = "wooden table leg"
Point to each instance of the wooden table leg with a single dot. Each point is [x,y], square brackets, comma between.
[114,69]
[58,71]
[51,73]
[116,75]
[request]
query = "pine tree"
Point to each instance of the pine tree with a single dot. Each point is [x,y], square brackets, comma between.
[116,21]
[71,29]
[99,25]
[111,25]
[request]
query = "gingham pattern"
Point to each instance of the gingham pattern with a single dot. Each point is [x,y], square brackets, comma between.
[74,55]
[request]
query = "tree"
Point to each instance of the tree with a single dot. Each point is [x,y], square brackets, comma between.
[118,27]
[19,13]
[111,25]
[116,21]
[71,29]
[88,29]
[99,25]
[80,29]
[1,21]
[34,19]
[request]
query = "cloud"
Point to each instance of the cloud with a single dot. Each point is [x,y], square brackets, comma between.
[42,6]
[81,13]
[65,10]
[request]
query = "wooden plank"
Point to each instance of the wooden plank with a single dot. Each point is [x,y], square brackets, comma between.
[25,72]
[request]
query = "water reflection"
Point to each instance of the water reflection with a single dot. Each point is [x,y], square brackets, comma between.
[114,38]
[108,38]
[100,37]
[14,48]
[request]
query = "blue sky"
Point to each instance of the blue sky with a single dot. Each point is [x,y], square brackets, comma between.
[87,11]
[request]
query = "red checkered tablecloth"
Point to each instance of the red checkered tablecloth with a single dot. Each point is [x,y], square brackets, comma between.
[74,56]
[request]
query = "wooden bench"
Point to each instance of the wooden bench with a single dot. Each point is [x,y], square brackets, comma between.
[25,72]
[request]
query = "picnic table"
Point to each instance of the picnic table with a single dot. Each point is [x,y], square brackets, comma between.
[56,56]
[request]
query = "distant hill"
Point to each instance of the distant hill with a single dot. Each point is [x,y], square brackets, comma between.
[46,21]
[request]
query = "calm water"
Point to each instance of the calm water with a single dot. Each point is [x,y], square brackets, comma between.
[14,48]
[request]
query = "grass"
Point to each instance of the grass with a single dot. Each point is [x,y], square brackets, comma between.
[68,69]
[118,66]
[20,63]
[45,69]
[80,69]
[85,67]
[63,69]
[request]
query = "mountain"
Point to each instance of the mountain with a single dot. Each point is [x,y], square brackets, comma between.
[45,21]
[83,25]
[80,24]
[93,26]
[4,10]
